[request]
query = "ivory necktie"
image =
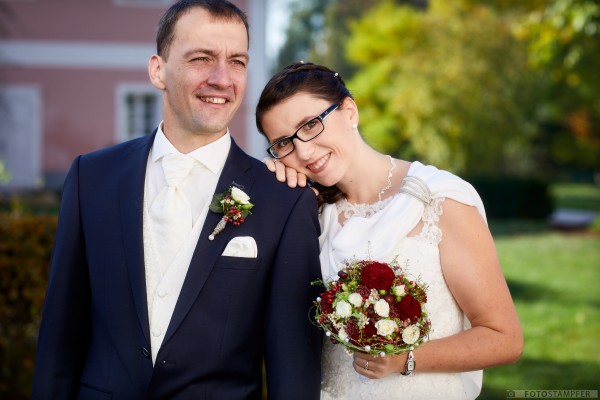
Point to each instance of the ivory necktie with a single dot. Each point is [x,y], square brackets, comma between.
[171,212]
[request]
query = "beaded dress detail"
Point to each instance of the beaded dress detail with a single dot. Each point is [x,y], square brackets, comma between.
[403,226]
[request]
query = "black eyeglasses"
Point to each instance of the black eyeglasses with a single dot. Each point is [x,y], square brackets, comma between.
[307,132]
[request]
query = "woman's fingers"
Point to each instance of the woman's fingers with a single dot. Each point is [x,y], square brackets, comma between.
[289,175]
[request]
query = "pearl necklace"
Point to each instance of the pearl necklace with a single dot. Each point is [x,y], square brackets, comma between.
[366,210]
[389,178]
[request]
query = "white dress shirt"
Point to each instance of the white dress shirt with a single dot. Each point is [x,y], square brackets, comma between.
[164,282]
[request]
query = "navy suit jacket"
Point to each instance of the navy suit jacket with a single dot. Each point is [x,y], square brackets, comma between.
[94,337]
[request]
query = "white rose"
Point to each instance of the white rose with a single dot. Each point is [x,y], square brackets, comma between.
[343,335]
[355,299]
[410,334]
[343,309]
[382,308]
[386,327]
[240,196]
[398,290]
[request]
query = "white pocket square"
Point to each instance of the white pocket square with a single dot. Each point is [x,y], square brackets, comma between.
[241,246]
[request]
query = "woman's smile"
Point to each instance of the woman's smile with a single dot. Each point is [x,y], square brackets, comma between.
[320,164]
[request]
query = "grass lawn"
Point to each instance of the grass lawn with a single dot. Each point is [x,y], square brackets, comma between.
[554,279]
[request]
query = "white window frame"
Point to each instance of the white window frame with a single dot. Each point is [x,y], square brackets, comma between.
[123,127]
[21,135]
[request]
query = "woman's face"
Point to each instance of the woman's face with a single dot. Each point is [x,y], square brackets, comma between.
[325,158]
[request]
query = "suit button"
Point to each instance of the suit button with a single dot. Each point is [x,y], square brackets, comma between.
[145,352]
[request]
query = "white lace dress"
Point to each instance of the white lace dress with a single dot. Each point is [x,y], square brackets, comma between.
[380,232]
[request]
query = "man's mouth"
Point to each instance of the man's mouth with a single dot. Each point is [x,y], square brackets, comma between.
[213,100]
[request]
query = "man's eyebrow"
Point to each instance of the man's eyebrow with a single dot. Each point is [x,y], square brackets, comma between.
[243,55]
[213,53]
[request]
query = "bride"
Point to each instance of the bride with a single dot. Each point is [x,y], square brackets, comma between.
[377,207]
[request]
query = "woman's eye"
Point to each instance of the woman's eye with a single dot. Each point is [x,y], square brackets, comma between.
[283,143]
[310,125]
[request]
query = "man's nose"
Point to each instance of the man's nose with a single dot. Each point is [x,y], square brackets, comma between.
[219,75]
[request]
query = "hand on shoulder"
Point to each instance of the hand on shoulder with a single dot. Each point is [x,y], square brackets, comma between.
[287,175]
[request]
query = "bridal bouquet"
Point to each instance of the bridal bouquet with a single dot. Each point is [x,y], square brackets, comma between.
[374,308]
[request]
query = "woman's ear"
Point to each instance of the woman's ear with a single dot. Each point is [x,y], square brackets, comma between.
[156,71]
[349,105]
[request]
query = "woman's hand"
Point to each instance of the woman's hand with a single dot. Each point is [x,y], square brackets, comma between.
[378,367]
[285,174]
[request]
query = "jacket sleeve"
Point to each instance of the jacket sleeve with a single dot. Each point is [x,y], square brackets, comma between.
[292,342]
[65,325]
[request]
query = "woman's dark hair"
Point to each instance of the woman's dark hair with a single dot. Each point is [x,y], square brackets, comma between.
[316,80]
[218,9]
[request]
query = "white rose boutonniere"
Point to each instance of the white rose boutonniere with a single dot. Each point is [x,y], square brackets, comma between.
[235,206]
[239,196]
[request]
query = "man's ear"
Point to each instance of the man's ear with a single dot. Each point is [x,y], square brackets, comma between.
[156,71]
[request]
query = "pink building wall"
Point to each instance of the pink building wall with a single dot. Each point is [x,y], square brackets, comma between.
[78,103]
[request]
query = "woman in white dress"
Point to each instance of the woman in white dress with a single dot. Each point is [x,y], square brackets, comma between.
[377,207]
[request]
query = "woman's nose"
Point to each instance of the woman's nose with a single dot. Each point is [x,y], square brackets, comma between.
[304,150]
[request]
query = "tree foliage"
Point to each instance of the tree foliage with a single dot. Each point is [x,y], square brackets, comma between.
[563,42]
[319,29]
[492,86]
[447,86]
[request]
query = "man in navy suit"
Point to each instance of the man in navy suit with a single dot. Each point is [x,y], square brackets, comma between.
[124,321]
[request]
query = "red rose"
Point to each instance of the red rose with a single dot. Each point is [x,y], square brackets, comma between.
[377,275]
[408,308]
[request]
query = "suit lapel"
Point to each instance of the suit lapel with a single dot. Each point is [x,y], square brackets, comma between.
[207,252]
[131,205]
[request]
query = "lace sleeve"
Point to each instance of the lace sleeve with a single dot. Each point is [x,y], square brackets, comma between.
[417,188]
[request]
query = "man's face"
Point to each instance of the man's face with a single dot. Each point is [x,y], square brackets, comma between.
[204,77]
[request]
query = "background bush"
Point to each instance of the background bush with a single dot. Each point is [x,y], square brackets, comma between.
[25,246]
[513,197]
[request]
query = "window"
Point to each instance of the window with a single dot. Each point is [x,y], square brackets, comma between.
[20,135]
[138,110]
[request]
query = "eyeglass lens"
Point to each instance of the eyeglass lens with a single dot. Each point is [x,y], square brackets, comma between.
[307,132]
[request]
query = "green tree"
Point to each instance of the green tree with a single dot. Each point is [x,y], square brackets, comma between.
[306,24]
[563,41]
[499,86]
[449,86]
[319,29]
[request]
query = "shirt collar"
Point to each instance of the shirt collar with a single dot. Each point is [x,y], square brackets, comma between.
[212,155]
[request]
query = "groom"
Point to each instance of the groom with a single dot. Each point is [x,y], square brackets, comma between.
[138,310]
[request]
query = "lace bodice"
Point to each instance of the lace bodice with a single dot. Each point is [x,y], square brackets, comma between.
[417,251]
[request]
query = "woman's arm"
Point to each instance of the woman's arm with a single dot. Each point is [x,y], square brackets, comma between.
[472,271]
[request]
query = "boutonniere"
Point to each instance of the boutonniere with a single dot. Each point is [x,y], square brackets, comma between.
[235,206]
